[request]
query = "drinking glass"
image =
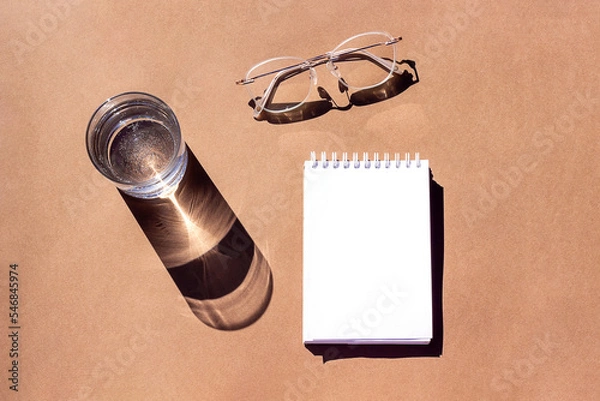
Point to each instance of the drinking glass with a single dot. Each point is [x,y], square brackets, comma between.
[134,140]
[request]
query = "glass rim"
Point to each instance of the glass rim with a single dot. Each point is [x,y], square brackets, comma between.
[110,107]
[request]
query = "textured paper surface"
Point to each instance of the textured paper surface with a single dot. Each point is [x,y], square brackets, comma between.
[506,111]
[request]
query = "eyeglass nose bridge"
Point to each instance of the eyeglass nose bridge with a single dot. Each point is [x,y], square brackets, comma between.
[333,68]
[313,76]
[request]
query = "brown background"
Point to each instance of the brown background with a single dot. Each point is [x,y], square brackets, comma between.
[506,112]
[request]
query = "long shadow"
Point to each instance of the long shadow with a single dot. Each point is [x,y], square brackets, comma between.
[213,261]
[434,348]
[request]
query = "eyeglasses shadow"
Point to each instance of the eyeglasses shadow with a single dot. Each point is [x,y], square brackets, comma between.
[393,86]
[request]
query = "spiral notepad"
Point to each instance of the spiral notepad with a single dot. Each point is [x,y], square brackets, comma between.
[367,250]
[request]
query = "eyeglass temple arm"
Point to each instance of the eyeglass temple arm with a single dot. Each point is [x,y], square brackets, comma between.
[246,81]
[294,68]
[391,65]
[313,60]
[360,49]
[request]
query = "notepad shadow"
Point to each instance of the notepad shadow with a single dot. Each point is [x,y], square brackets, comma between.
[434,348]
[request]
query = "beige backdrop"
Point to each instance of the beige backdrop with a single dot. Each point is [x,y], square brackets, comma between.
[506,112]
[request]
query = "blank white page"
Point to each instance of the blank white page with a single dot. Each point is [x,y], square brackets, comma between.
[367,253]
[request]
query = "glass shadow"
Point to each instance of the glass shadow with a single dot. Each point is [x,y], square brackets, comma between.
[212,260]
[435,347]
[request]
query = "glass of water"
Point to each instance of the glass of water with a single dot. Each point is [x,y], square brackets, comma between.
[134,140]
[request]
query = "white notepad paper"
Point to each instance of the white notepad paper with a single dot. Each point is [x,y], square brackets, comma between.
[367,250]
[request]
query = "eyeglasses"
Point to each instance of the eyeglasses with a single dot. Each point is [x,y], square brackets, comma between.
[281,88]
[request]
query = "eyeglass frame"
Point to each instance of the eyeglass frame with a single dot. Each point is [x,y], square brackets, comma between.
[309,64]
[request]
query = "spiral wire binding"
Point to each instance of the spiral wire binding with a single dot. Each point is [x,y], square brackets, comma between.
[366,161]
